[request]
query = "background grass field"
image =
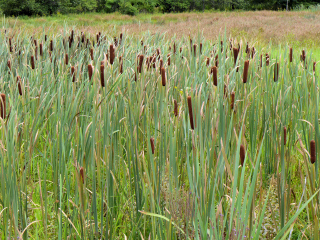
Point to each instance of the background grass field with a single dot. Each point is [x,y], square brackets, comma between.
[161,151]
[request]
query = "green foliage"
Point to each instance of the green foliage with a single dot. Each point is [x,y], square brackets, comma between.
[127,8]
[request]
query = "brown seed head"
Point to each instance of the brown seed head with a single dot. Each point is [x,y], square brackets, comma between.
[290,55]
[235,55]
[41,49]
[276,72]
[232,100]
[82,175]
[141,57]
[3,106]
[190,112]
[242,154]
[163,76]
[313,151]
[32,62]
[152,144]
[19,85]
[214,71]
[102,75]
[175,107]
[284,135]
[112,54]
[245,71]
[91,53]
[73,74]
[90,71]
[66,59]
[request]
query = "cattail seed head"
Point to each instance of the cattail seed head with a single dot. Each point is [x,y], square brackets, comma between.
[190,112]
[9,65]
[161,65]
[276,72]
[102,75]
[208,62]
[73,74]
[267,59]
[200,48]
[214,71]
[313,151]
[284,135]
[141,57]
[82,175]
[3,106]
[245,71]
[217,60]
[41,49]
[152,144]
[174,48]
[121,36]
[66,59]
[51,45]
[112,54]
[314,66]
[175,107]
[235,55]
[121,65]
[169,59]
[232,100]
[163,76]
[195,49]
[242,154]
[91,53]
[19,85]
[32,62]
[290,55]
[90,71]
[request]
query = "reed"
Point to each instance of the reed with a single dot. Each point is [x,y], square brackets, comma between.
[9,65]
[235,55]
[32,62]
[91,53]
[41,49]
[276,72]
[81,172]
[19,85]
[112,54]
[51,45]
[285,135]
[175,107]
[290,55]
[141,58]
[232,100]
[214,71]
[66,60]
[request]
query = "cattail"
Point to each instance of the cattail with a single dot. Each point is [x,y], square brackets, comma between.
[214,71]
[82,175]
[208,62]
[314,66]
[245,71]
[161,65]
[313,151]
[242,154]
[152,144]
[3,106]
[19,85]
[90,71]
[41,49]
[32,62]
[45,38]
[66,59]
[91,53]
[247,48]
[180,50]
[261,60]
[154,61]
[174,48]
[141,57]
[169,59]
[121,65]
[267,59]
[36,53]
[70,42]
[121,35]
[115,40]
[253,52]
[217,60]
[190,112]
[225,91]
[51,45]
[232,100]
[276,72]
[141,42]
[200,48]
[290,55]
[112,54]
[221,43]
[235,55]
[10,44]
[191,44]
[175,107]
[102,75]
[284,135]
[9,65]
[50,55]
[195,49]
[73,74]
[303,56]
[163,76]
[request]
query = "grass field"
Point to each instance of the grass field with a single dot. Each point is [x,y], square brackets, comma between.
[159,127]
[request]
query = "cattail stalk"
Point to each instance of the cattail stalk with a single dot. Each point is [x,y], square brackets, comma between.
[276,72]
[190,112]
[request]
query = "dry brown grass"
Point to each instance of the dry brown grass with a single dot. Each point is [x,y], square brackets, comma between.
[260,25]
